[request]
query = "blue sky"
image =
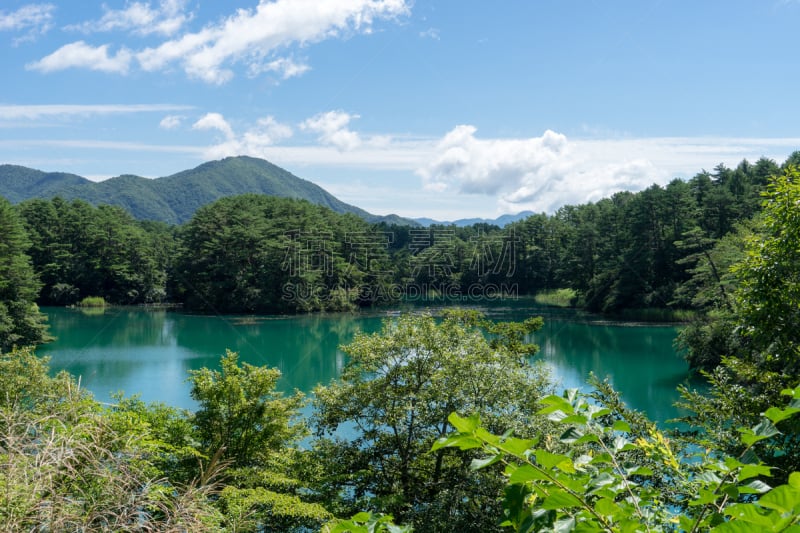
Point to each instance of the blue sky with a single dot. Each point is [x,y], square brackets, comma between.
[443,109]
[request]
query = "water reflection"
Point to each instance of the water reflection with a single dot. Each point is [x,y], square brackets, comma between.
[150,352]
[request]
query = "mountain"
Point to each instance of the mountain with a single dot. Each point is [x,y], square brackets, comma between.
[175,198]
[501,221]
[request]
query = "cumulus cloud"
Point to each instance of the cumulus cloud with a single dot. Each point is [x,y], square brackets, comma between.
[332,129]
[166,18]
[215,121]
[34,19]
[538,173]
[82,55]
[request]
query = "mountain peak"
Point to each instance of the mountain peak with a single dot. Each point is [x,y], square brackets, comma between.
[175,198]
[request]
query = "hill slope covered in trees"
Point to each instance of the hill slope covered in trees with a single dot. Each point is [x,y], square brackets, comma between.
[174,199]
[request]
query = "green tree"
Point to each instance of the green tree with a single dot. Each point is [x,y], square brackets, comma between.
[758,340]
[248,428]
[21,323]
[394,396]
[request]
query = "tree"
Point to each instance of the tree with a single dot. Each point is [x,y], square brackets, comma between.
[760,334]
[394,396]
[79,250]
[247,427]
[21,323]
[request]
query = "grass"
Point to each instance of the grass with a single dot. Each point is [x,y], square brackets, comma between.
[92,301]
[557,298]
[656,314]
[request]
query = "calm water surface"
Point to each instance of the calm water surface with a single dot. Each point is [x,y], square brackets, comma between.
[150,352]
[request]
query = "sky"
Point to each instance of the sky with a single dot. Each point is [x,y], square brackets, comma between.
[443,109]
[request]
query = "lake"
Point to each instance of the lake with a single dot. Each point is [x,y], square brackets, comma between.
[150,352]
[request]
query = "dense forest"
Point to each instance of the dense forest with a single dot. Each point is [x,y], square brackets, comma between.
[457,427]
[259,254]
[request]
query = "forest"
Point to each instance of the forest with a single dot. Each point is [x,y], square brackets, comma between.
[458,425]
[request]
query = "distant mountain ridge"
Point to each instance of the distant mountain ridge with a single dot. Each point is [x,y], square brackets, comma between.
[174,199]
[500,221]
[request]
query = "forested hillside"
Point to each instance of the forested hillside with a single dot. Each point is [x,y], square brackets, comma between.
[174,199]
[661,248]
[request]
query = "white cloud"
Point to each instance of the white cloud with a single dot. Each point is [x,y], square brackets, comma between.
[470,165]
[257,38]
[267,132]
[82,55]
[166,18]
[332,129]
[36,15]
[36,19]
[250,36]
[171,122]
[544,173]
[37,112]
[285,68]
[215,121]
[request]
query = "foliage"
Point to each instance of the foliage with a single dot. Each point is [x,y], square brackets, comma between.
[751,345]
[241,415]
[21,323]
[68,465]
[79,250]
[245,426]
[608,478]
[73,464]
[557,298]
[393,398]
[261,254]
[92,301]
[366,523]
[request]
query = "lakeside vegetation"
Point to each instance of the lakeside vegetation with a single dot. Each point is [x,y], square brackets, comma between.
[457,424]
[651,250]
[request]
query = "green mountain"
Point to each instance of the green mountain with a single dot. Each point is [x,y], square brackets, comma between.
[175,198]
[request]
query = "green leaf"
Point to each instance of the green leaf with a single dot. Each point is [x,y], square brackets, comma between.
[754,487]
[589,437]
[462,442]
[749,513]
[575,419]
[551,460]
[555,403]
[784,499]
[736,526]
[607,507]
[777,415]
[565,525]
[559,499]
[526,473]
[621,425]
[518,447]
[706,496]
[464,425]
[477,464]
[750,471]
